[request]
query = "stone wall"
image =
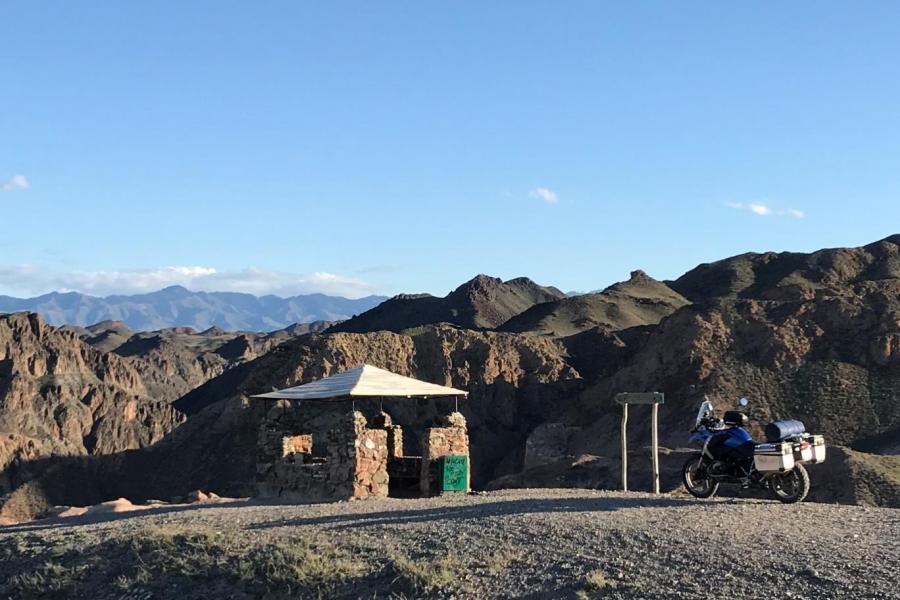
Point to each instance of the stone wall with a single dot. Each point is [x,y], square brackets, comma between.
[371,476]
[355,465]
[279,473]
[269,447]
[394,433]
[443,441]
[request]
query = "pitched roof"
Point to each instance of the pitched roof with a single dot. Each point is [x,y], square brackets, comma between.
[363,380]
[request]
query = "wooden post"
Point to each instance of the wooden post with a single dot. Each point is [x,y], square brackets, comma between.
[655,442]
[624,447]
[654,398]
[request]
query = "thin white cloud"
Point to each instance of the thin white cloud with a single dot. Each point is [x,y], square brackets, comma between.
[16,182]
[764,210]
[545,194]
[30,280]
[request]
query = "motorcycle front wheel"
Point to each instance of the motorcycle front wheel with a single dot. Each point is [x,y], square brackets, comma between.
[696,478]
[790,487]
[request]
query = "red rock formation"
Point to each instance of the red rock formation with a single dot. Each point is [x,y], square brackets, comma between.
[61,396]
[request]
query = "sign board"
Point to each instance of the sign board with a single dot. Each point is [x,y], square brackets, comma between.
[454,473]
[641,398]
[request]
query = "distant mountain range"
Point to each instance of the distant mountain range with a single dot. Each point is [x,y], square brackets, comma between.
[176,306]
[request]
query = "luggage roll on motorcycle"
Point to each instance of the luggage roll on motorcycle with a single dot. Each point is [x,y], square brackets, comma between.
[730,456]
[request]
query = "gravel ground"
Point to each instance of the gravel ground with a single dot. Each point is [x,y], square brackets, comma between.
[513,543]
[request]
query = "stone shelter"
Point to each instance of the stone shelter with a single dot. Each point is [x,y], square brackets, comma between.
[351,456]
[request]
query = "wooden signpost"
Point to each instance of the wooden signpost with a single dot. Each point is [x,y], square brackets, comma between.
[654,399]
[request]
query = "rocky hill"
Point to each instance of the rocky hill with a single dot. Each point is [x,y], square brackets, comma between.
[176,306]
[639,301]
[481,303]
[516,383]
[815,337]
[103,389]
[792,275]
[60,396]
[176,360]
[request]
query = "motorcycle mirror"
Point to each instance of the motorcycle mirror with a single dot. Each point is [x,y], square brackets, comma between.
[743,402]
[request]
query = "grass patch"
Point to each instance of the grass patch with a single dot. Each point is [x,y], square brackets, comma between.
[428,574]
[595,585]
[163,560]
[596,580]
[301,564]
[284,567]
[51,579]
[500,559]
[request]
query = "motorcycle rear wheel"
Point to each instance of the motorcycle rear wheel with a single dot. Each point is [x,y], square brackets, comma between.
[692,475]
[790,487]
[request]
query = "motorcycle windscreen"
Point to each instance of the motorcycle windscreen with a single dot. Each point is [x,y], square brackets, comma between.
[706,408]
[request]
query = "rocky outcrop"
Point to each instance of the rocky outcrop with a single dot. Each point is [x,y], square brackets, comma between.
[792,275]
[814,337]
[639,301]
[482,303]
[176,360]
[827,357]
[829,362]
[548,443]
[100,390]
[60,396]
[515,383]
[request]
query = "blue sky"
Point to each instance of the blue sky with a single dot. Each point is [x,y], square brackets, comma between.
[402,147]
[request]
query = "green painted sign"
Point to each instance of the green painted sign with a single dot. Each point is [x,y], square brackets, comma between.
[454,473]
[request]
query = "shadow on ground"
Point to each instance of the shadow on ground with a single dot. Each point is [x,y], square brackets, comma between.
[481,510]
[455,509]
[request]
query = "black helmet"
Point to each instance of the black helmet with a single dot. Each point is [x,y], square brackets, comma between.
[736,418]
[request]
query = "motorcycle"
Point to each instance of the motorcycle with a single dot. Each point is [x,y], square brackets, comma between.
[729,455]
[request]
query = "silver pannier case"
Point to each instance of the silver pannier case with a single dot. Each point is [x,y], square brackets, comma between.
[810,449]
[817,444]
[773,457]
